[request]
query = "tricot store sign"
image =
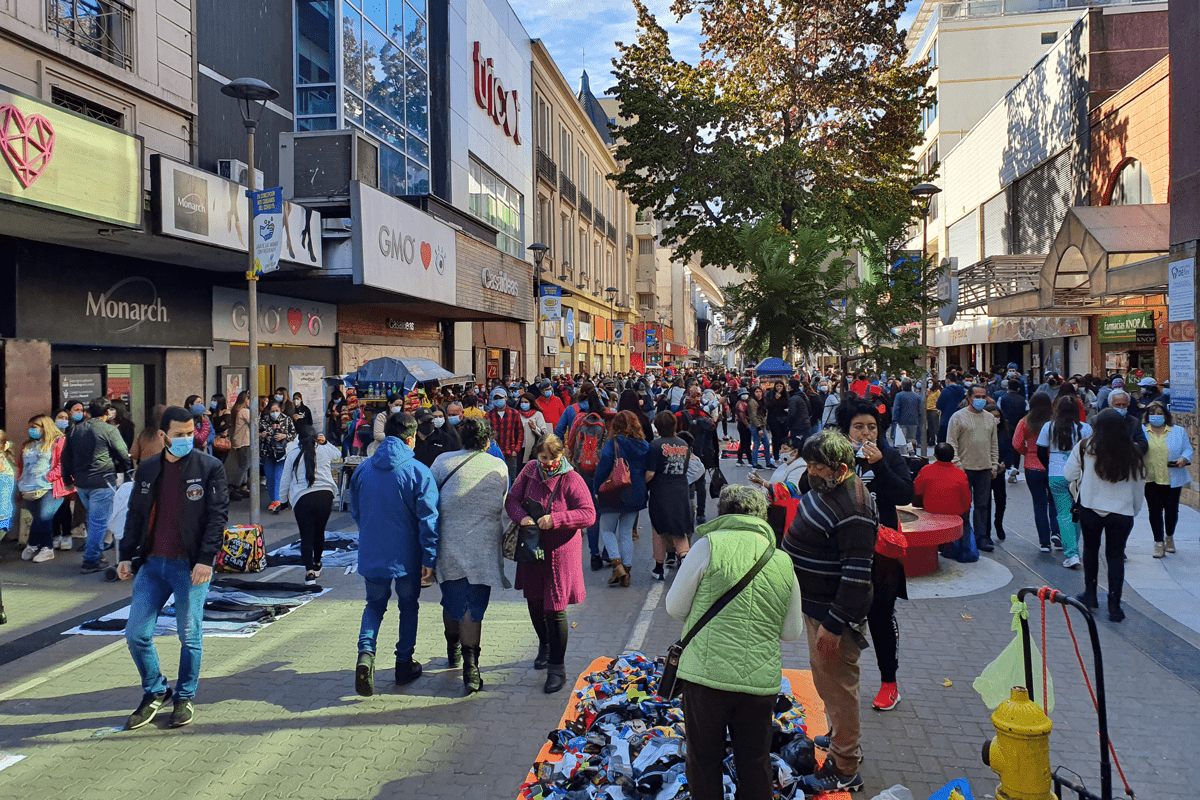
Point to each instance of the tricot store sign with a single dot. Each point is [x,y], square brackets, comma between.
[503,106]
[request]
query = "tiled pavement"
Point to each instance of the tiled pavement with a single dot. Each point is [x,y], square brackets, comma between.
[277,715]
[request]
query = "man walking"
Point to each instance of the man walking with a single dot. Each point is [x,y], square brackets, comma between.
[972,433]
[832,545]
[394,500]
[906,411]
[1013,406]
[93,454]
[509,432]
[948,402]
[173,530]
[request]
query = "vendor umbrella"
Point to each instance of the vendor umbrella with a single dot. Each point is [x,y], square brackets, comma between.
[772,367]
[407,372]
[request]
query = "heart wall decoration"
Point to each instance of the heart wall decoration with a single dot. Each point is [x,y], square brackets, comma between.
[27,143]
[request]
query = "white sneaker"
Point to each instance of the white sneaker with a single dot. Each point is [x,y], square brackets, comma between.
[28,553]
[1012,476]
[67,543]
[1072,562]
[43,554]
[57,543]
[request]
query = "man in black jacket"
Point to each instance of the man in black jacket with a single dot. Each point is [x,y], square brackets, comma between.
[173,530]
[93,454]
[798,422]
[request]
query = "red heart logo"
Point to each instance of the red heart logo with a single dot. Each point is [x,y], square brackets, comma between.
[294,320]
[426,254]
[27,143]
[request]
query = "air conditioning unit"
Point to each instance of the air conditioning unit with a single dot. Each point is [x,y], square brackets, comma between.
[234,170]
[317,167]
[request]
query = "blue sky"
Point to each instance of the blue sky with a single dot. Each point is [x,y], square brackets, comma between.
[572,27]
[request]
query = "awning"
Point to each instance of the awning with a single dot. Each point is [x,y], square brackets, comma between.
[407,372]
[772,366]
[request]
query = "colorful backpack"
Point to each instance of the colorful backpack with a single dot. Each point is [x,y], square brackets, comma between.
[242,550]
[587,440]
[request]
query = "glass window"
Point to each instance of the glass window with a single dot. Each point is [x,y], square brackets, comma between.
[375,48]
[418,150]
[353,108]
[316,123]
[418,178]
[414,37]
[1132,186]
[568,244]
[316,100]
[385,128]
[395,23]
[352,48]
[499,205]
[419,5]
[376,11]
[392,177]
[418,99]
[315,44]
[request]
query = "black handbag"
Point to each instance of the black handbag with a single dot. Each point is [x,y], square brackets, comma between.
[523,543]
[669,685]
[717,483]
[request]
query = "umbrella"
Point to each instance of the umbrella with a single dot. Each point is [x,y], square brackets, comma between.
[773,367]
[407,372]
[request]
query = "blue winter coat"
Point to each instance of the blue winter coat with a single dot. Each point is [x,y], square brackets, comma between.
[634,452]
[394,500]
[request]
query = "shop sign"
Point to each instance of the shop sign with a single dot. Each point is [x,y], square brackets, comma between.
[585,331]
[401,325]
[56,159]
[1181,290]
[551,303]
[570,327]
[1124,327]
[189,203]
[549,347]
[501,105]
[281,320]
[1145,336]
[498,281]
[401,249]
[1028,329]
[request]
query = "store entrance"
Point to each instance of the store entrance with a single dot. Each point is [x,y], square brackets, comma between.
[132,379]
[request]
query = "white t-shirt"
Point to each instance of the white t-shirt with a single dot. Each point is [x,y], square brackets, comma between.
[1058,458]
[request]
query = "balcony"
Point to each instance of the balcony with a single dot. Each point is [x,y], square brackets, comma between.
[585,207]
[104,29]
[612,232]
[566,188]
[629,241]
[598,221]
[547,170]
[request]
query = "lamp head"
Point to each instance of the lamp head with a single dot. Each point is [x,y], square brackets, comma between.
[250,92]
[923,193]
[539,253]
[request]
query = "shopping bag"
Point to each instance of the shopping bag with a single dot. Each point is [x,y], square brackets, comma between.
[120,508]
[1007,670]
[242,550]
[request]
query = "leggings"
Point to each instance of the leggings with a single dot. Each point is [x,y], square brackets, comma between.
[1163,503]
[312,513]
[887,580]
[744,447]
[551,628]
[1060,490]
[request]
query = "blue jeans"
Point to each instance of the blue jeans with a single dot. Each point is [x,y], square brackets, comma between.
[593,534]
[1044,516]
[759,437]
[274,472]
[461,596]
[617,529]
[408,590]
[98,503]
[157,580]
[41,529]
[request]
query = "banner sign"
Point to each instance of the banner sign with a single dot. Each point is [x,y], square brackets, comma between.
[268,229]
[570,327]
[1123,327]
[401,249]
[1183,377]
[310,383]
[1181,290]
[618,332]
[551,303]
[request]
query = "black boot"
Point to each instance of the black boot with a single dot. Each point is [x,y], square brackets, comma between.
[1115,612]
[471,677]
[364,674]
[407,672]
[542,659]
[453,631]
[1088,597]
[556,678]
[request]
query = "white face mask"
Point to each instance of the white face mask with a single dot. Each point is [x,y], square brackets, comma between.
[439,422]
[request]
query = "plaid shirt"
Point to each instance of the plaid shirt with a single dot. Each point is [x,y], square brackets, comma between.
[510,438]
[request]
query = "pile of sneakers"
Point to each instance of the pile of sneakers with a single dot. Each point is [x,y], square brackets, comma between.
[625,741]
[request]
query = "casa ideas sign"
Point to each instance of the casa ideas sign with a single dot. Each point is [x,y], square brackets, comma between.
[500,282]
[501,105]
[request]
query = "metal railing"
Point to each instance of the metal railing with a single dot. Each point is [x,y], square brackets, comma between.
[566,188]
[629,241]
[585,207]
[612,232]
[997,276]
[598,220]
[102,28]
[546,168]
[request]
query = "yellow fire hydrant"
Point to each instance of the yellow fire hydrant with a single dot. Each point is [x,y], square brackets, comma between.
[1020,751]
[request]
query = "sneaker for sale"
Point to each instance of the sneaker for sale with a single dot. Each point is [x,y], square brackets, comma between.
[888,697]
[829,779]
[147,710]
[1072,562]
[183,713]
[29,552]
[43,554]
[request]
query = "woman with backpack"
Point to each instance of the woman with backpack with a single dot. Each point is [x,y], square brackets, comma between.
[275,432]
[1054,445]
[308,486]
[556,581]
[618,507]
[585,441]
[1111,476]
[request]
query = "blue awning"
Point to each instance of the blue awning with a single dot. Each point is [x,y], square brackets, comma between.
[770,367]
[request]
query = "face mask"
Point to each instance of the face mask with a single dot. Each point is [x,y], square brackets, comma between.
[77,416]
[1157,420]
[299,401]
[197,410]
[180,447]
[822,485]
[979,403]
[787,458]
[824,390]
[61,423]
[397,409]
[278,398]
[583,405]
[524,406]
[454,420]
[547,393]
[36,433]
[276,415]
[439,422]
[1122,411]
[499,403]
[213,405]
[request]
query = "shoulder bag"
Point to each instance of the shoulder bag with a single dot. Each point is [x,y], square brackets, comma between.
[669,685]
[1076,487]
[621,477]
[523,543]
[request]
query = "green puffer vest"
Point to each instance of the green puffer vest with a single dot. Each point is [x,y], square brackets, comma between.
[738,651]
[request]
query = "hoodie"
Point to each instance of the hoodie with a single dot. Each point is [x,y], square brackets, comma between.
[394,500]
[634,452]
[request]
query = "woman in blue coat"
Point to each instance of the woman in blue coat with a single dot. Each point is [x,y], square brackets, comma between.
[618,511]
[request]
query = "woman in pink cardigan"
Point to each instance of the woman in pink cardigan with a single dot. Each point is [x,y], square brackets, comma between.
[556,581]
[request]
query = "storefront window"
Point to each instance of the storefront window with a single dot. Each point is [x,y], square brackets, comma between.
[499,205]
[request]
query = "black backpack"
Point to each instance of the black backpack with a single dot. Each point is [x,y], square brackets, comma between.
[704,432]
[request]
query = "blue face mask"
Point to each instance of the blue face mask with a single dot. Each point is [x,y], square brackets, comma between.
[62,424]
[547,393]
[1158,420]
[499,403]
[36,433]
[213,405]
[197,410]
[979,403]
[1121,411]
[181,446]
[454,420]
[524,406]
[583,405]
[77,416]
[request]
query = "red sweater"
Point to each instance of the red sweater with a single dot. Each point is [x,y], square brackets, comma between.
[552,409]
[944,488]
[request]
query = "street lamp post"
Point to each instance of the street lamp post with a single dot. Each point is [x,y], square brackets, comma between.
[252,96]
[539,253]
[662,321]
[923,193]
[611,291]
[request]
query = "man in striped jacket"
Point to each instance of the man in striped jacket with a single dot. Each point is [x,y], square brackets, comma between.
[832,545]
